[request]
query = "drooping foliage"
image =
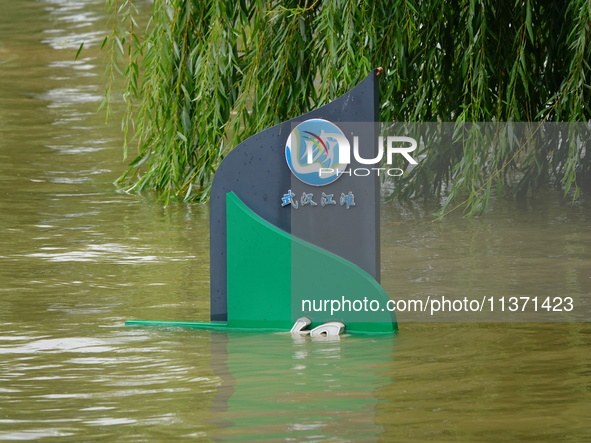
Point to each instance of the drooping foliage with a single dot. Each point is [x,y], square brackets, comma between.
[205,74]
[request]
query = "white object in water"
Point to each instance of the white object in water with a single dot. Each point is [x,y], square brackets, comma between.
[299,326]
[330,329]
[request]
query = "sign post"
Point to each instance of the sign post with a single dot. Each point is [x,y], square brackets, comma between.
[294,223]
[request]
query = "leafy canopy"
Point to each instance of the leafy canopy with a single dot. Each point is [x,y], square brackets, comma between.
[205,74]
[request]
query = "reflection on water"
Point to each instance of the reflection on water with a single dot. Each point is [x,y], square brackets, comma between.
[284,388]
[77,259]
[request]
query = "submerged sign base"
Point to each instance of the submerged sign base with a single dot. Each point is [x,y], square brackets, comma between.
[283,247]
[225,327]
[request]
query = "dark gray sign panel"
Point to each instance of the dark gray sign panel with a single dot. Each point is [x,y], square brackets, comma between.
[341,217]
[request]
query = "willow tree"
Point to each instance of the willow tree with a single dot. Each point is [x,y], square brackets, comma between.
[205,74]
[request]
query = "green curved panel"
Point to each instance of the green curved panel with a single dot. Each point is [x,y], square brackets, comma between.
[275,278]
[258,261]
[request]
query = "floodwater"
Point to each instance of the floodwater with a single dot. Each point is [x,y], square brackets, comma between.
[77,259]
